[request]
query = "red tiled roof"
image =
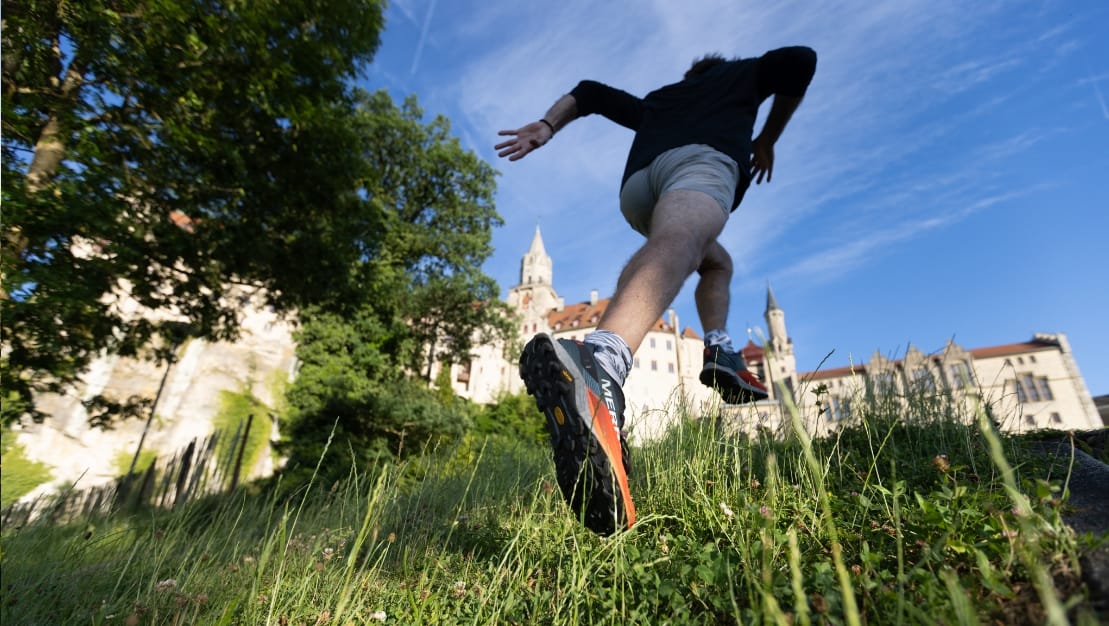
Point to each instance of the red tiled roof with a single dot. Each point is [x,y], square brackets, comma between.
[1012,348]
[689,333]
[753,353]
[835,372]
[977,353]
[182,221]
[587,315]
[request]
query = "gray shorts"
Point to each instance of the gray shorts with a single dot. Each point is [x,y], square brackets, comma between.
[697,167]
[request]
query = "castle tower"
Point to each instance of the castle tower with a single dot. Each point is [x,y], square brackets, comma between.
[782,363]
[534,298]
[536,268]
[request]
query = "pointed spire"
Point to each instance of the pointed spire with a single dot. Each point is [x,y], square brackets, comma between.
[771,301]
[537,248]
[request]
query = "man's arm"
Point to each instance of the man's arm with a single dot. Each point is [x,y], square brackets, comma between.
[762,150]
[536,134]
[785,72]
[586,98]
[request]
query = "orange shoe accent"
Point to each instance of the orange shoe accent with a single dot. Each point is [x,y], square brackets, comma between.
[610,443]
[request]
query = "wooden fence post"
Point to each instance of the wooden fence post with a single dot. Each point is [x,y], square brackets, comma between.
[242,450]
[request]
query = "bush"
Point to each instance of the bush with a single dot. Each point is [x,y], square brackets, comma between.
[19,475]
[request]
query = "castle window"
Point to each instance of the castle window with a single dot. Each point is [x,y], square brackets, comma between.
[883,383]
[1031,358]
[839,408]
[922,380]
[1030,420]
[1056,418]
[652,342]
[670,368]
[635,363]
[960,375]
[1030,389]
[669,345]
[654,366]
[1045,389]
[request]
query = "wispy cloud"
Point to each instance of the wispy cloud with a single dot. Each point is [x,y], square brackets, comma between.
[1097,94]
[423,37]
[877,154]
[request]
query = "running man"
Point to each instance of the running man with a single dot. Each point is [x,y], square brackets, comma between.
[689,166]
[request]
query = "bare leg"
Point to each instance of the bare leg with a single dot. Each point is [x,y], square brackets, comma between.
[684,225]
[712,295]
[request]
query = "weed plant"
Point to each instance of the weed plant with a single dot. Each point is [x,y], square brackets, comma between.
[909,514]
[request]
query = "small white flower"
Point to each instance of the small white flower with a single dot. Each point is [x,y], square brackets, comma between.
[378,615]
[728,513]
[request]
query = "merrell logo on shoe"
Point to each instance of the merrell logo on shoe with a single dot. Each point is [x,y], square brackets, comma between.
[610,401]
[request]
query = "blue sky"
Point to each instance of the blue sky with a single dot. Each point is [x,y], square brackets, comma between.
[946,177]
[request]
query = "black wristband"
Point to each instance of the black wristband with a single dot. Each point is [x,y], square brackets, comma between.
[549,125]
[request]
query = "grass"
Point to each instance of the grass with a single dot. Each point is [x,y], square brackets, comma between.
[124,459]
[909,518]
[18,474]
[235,408]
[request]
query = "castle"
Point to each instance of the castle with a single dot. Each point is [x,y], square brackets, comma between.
[1030,384]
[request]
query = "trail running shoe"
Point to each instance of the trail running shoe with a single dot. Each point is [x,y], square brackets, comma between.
[585,414]
[726,372]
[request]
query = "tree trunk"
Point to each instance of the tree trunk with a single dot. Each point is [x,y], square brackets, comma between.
[50,147]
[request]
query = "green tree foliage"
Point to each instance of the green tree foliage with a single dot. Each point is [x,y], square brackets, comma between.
[365,362]
[513,416]
[167,149]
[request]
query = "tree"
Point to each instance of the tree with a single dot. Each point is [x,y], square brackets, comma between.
[365,361]
[162,151]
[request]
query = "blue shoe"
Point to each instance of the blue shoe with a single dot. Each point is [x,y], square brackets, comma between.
[726,373]
[585,414]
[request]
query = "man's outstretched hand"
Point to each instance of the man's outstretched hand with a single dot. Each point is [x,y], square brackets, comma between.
[524,140]
[762,159]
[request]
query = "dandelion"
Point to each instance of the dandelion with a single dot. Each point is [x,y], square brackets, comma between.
[328,553]
[166,585]
[755,483]
[663,547]
[941,463]
[856,569]
[728,513]
[378,616]
[459,589]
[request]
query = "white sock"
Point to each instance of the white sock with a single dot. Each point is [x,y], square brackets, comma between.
[612,353]
[719,337]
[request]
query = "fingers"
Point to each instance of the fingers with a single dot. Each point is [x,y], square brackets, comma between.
[513,150]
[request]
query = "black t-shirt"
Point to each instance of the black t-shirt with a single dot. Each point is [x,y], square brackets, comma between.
[717,108]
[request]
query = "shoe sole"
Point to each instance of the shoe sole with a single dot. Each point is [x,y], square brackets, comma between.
[732,388]
[581,430]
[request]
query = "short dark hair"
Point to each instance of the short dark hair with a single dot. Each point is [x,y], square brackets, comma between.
[704,64]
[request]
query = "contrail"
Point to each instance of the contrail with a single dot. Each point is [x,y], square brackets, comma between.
[1101,100]
[423,38]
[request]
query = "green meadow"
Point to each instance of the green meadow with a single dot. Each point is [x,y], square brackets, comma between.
[910,514]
